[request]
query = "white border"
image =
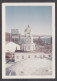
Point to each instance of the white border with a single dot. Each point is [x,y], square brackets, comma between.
[53,40]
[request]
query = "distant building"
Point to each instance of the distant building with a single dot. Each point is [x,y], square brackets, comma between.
[15,36]
[40,41]
[7,37]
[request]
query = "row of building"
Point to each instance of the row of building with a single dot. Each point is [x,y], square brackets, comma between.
[26,49]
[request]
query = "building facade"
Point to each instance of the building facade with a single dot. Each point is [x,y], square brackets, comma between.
[15,36]
[19,56]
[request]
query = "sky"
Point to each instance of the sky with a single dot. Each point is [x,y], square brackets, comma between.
[39,18]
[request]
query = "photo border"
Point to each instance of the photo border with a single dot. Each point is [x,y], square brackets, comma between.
[27,78]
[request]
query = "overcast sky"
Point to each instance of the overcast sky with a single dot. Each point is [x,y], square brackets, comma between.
[39,18]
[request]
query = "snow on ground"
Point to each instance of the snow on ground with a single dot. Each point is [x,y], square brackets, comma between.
[37,66]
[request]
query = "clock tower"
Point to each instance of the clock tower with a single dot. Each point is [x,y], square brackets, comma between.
[28,35]
[28,45]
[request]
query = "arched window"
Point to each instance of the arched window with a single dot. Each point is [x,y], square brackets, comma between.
[22,57]
[28,56]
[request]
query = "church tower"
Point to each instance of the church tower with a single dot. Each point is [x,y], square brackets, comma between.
[28,45]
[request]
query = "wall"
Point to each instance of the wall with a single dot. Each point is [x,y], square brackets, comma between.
[23,56]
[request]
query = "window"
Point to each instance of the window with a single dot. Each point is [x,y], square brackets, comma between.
[29,56]
[25,48]
[28,47]
[22,57]
[35,56]
[17,57]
